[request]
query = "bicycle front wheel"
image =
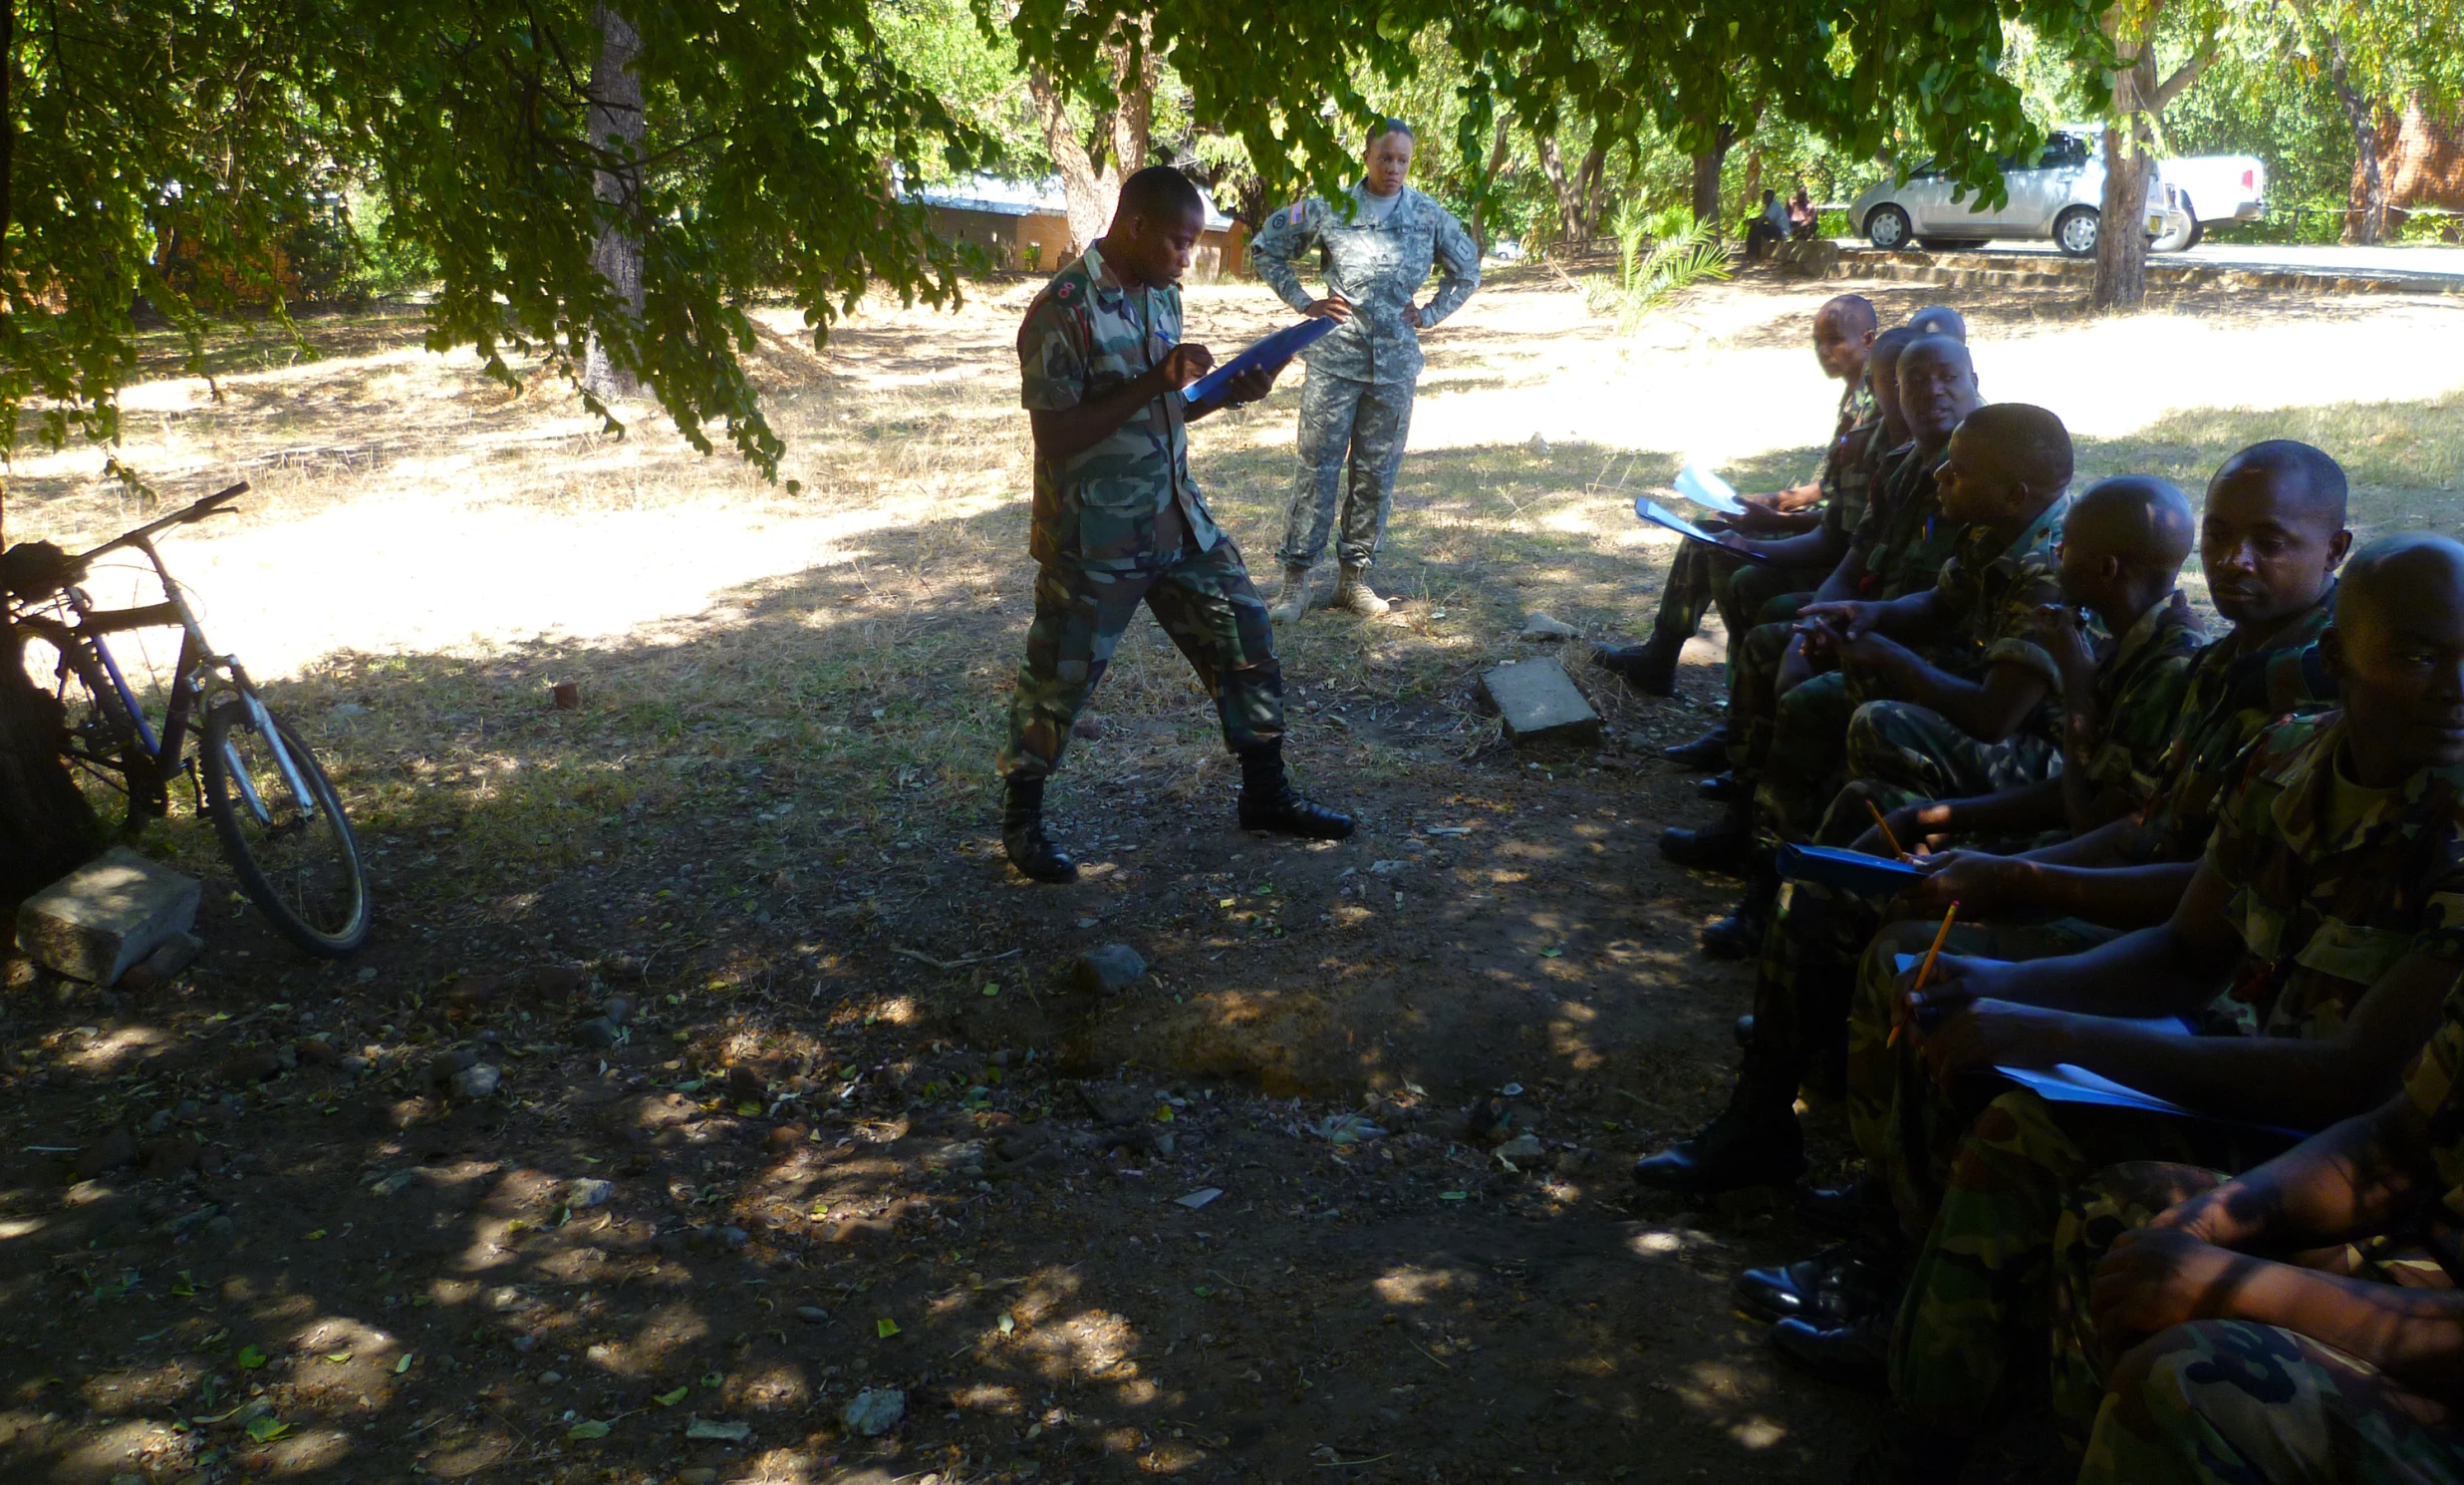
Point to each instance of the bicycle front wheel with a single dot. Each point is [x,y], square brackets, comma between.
[292,849]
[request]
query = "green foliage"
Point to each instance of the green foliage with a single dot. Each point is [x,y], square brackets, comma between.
[1659,255]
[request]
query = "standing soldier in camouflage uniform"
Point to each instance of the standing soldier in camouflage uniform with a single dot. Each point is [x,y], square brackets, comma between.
[2315,948]
[1118,522]
[1802,544]
[1357,402]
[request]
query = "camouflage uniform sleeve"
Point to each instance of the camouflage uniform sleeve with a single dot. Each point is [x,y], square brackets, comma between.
[2009,632]
[2243,818]
[2139,726]
[1052,355]
[1459,270]
[1286,235]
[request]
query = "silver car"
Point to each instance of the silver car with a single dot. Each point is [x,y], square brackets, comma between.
[2057,195]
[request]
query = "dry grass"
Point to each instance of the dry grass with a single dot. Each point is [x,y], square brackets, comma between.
[424,554]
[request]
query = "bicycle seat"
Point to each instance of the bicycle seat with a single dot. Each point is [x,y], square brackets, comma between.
[34,570]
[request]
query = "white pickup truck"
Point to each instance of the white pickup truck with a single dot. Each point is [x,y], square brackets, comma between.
[2058,195]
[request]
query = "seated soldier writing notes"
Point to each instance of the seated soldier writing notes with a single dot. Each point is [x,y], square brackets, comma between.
[1118,522]
[1776,696]
[1980,711]
[2271,539]
[2122,549]
[2311,953]
[1798,541]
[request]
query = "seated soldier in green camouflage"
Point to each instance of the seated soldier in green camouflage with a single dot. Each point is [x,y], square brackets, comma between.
[1777,702]
[2122,549]
[1799,544]
[2004,482]
[2270,540]
[2305,1322]
[2311,953]
[1118,522]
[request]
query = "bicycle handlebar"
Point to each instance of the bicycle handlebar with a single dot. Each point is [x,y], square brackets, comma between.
[196,512]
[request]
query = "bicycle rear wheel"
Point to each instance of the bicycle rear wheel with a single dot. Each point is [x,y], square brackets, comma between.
[295,857]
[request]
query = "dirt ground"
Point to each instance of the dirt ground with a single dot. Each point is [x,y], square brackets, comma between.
[856,1125]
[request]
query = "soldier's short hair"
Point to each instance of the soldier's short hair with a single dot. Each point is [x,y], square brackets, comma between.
[1856,312]
[2028,442]
[1385,127]
[2146,522]
[1887,346]
[2394,573]
[2289,459]
[1159,193]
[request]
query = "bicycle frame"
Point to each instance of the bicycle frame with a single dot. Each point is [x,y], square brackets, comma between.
[198,677]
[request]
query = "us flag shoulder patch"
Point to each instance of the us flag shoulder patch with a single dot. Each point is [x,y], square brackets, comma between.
[1299,210]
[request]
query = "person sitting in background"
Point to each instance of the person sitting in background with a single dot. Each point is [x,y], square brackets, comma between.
[1781,527]
[1768,227]
[1803,221]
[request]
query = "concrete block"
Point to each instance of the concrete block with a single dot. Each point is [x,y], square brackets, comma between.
[1540,702]
[107,915]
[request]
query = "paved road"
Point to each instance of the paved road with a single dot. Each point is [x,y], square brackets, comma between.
[2444,262]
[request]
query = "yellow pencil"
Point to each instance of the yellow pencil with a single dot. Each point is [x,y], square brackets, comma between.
[1885,826]
[1925,970]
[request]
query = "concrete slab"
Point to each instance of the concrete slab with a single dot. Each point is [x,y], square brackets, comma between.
[1540,702]
[106,916]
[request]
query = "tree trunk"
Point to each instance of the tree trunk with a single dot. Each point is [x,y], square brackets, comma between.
[1707,178]
[1091,193]
[2121,245]
[1488,185]
[1571,234]
[2365,222]
[1587,182]
[46,829]
[616,125]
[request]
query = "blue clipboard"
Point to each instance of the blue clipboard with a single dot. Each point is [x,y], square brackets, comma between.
[1659,515]
[1849,871]
[1270,354]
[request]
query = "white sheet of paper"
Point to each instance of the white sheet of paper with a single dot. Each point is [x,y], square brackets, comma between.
[1704,487]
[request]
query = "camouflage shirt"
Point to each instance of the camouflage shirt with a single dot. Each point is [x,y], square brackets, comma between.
[1903,536]
[1084,337]
[1848,476]
[1379,266]
[2139,698]
[2331,884]
[1990,600]
[2232,698]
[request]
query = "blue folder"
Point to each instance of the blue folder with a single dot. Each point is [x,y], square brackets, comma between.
[1849,871]
[1659,515]
[1270,354]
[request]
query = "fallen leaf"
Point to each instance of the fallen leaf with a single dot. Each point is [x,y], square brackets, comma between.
[1454,1196]
[249,1358]
[266,1430]
[588,1428]
[732,1433]
[885,1329]
[671,1399]
[338,1357]
[313,1236]
[1007,1325]
[404,1364]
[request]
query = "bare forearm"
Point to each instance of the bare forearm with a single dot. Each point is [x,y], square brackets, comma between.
[2094,848]
[2416,1336]
[2031,807]
[2338,1184]
[1840,586]
[2114,896]
[2147,972]
[1802,551]
[2291,1081]
[1980,709]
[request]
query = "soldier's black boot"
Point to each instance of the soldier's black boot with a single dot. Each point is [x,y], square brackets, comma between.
[1022,835]
[1725,847]
[1739,934]
[1706,752]
[1650,667]
[1270,802]
[1755,1141]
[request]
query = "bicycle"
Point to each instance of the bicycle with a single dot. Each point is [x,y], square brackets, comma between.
[273,809]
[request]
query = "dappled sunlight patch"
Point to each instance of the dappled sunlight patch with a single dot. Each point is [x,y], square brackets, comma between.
[1758,1433]
[99,1053]
[1424,1286]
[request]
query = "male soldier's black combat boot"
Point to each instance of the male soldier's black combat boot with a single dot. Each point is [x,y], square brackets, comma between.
[1022,835]
[1270,802]
[1755,1141]
[1650,667]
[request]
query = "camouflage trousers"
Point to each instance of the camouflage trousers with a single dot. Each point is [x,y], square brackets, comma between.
[1204,600]
[1364,423]
[1903,754]
[2121,1197]
[1745,593]
[1980,1294]
[1905,1124]
[2232,1402]
[1802,747]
